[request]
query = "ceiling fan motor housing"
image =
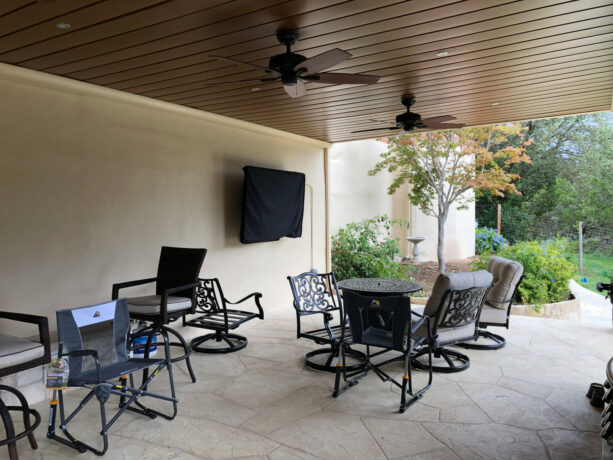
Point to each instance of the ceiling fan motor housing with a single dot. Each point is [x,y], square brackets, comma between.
[408,120]
[284,64]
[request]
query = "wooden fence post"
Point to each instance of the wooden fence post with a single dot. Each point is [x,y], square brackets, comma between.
[580,246]
[499,207]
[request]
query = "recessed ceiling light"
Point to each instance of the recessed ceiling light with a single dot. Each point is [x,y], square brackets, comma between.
[495,103]
[63,25]
[442,54]
[255,90]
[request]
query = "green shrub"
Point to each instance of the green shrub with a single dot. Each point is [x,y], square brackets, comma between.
[547,272]
[488,241]
[368,250]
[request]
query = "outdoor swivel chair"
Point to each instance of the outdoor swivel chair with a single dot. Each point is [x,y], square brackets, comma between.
[96,342]
[317,294]
[388,324]
[175,297]
[211,305]
[454,308]
[16,355]
[508,275]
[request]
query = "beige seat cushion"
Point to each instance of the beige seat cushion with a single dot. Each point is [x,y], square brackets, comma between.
[506,275]
[493,315]
[150,304]
[15,350]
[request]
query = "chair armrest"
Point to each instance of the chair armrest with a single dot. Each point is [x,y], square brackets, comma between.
[257,296]
[172,290]
[327,315]
[179,288]
[78,353]
[418,324]
[126,284]
[43,328]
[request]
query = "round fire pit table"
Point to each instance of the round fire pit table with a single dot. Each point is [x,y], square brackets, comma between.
[374,287]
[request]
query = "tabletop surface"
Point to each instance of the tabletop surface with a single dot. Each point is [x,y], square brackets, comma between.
[379,285]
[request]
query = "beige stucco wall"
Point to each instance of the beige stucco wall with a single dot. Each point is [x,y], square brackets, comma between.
[93,181]
[354,195]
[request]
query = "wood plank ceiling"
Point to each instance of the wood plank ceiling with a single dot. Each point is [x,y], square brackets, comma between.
[506,60]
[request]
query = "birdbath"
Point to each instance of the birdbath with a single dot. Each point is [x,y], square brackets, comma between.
[415,240]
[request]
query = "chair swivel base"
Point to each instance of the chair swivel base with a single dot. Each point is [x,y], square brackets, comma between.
[330,362]
[235,342]
[462,362]
[498,342]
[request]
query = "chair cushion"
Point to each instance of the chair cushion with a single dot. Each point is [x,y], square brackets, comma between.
[15,350]
[150,304]
[490,314]
[457,282]
[506,275]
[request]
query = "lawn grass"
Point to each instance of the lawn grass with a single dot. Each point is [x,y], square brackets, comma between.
[595,268]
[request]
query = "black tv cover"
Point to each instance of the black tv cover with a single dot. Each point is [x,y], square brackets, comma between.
[273,204]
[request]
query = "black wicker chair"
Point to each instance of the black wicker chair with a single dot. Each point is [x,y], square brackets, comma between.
[175,296]
[454,308]
[16,355]
[318,294]
[96,340]
[215,315]
[388,324]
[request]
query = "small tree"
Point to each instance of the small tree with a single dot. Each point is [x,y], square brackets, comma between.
[447,164]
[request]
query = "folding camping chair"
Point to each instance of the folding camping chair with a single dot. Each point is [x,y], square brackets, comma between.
[101,333]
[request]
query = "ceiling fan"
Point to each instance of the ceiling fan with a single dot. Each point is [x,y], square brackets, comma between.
[293,69]
[411,121]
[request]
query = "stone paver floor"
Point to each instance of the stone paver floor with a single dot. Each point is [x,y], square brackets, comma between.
[524,401]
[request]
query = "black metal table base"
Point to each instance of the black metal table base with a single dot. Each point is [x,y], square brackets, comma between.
[235,342]
[9,429]
[498,342]
[456,361]
[330,362]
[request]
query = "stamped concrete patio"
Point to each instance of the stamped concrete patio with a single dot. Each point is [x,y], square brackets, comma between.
[524,401]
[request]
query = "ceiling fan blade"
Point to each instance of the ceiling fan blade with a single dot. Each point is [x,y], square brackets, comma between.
[235,61]
[345,78]
[296,90]
[445,125]
[389,128]
[441,119]
[376,121]
[261,80]
[323,61]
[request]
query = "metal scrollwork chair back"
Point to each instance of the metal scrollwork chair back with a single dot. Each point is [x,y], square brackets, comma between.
[313,294]
[462,307]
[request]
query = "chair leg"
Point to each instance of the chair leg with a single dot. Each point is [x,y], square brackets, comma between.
[498,342]
[9,429]
[186,348]
[26,413]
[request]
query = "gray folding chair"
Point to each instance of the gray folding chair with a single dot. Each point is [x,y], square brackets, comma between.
[95,340]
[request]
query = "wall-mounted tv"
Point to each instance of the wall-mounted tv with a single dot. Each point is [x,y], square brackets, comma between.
[273,204]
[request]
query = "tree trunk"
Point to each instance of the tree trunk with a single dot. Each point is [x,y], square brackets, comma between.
[442,217]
